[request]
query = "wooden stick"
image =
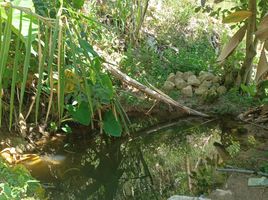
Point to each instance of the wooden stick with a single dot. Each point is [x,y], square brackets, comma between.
[244,171]
[154,94]
[257,125]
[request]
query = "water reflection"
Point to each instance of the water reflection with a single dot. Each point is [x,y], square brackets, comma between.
[178,159]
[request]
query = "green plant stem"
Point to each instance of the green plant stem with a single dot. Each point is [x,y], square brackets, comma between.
[251,44]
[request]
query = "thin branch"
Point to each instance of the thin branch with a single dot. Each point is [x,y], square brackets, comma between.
[48,21]
[243,171]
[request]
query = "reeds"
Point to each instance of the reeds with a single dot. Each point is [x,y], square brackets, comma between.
[59,69]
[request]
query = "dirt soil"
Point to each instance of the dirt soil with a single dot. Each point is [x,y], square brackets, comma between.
[236,187]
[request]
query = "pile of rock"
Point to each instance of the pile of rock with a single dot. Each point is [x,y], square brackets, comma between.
[188,83]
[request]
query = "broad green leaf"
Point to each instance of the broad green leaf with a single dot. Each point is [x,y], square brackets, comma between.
[82,114]
[262,67]
[111,125]
[262,32]
[232,44]
[25,20]
[237,16]
[107,85]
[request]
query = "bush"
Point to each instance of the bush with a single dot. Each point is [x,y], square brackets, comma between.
[17,183]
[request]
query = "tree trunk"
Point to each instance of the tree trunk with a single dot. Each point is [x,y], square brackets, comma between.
[152,93]
[251,44]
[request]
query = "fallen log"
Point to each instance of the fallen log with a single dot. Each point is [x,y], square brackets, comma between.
[150,92]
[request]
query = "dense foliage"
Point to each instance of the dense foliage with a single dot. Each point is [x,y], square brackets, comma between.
[59,65]
[17,183]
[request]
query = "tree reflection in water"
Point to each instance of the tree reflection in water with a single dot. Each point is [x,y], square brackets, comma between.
[151,166]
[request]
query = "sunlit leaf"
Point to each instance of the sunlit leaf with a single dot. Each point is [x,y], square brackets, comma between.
[111,125]
[262,32]
[262,66]
[237,16]
[25,20]
[232,44]
[66,128]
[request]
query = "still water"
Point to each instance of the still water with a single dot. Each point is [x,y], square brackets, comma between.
[177,157]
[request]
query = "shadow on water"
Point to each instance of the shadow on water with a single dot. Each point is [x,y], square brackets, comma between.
[178,157]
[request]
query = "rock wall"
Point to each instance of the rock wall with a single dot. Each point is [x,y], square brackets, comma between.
[189,84]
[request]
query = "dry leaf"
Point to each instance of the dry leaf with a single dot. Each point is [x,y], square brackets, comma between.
[262,32]
[22,126]
[237,16]
[262,66]
[232,44]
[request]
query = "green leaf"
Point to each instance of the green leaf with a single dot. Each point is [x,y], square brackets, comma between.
[78,3]
[82,114]
[66,128]
[25,20]
[111,125]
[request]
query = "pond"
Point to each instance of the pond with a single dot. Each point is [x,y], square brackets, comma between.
[176,157]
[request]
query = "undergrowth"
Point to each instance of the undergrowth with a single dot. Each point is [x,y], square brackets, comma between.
[16,183]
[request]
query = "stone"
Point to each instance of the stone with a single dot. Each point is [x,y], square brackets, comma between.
[216,79]
[187,91]
[202,73]
[179,74]
[171,77]
[181,197]
[192,80]
[213,88]
[221,90]
[206,76]
[168,85]
[216,85]
[222,194]
[180,83]
[201,91]
[212,91]
[206,84]
[186,75]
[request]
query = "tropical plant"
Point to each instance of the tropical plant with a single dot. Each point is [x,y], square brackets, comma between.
[249,15]
[17,183]
[60,70]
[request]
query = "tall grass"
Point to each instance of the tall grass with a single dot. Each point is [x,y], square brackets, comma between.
[5,44]
[60,70]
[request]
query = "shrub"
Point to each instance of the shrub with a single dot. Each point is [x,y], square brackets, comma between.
[17,183]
